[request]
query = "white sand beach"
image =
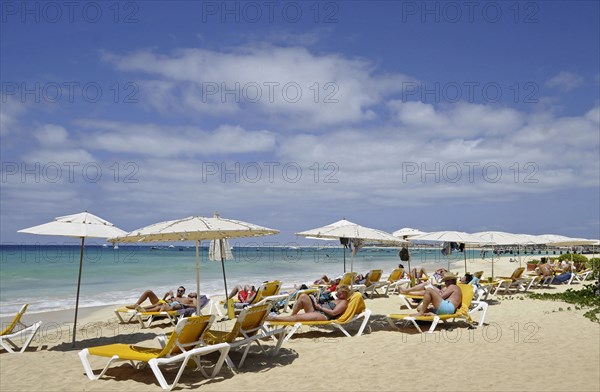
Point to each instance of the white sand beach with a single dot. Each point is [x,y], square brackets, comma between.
[525,345]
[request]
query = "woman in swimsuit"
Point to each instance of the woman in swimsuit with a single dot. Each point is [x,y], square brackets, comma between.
[313,311]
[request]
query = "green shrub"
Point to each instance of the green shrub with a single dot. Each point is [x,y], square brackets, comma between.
[595,265]
[586,297]
[574,256]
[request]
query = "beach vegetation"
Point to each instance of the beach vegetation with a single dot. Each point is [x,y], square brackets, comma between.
[577,258]
[586,298]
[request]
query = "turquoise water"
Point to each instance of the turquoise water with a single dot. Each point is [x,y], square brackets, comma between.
[46,276]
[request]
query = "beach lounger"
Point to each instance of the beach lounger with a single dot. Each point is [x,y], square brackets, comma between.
[463,312]
[513,281]
[182,345]
[268,292]
[248,328]
[373,282]
[126,315]
[394,281]
[583,275]
[356,310]
[17,333]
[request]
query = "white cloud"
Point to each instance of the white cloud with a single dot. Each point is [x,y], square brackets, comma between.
[51,135]
[163,141]
[285,83]
[565,81]
[12,109]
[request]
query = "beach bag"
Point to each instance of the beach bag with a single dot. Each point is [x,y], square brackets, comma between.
[404,255]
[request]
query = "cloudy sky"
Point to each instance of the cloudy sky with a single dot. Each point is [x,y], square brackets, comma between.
[464,116]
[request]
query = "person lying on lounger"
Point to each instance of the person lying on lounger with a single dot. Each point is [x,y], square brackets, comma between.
[182,303]
[314,311]
[445,301]
[169,297]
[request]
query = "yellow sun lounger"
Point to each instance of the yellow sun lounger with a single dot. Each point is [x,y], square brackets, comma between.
[11,335]
[145,318]
[183,345]
[248,328]
[508,282]
[394,281]
[462,312]
[356,310]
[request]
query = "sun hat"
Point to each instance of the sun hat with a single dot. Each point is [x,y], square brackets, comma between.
[449,276]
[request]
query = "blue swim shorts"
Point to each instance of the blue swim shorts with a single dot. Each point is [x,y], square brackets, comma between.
[445,307]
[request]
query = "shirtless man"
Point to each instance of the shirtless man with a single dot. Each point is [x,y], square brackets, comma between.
[168,298]
[182,303]
[445,301]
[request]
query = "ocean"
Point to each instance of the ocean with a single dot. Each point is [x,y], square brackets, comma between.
[45,276]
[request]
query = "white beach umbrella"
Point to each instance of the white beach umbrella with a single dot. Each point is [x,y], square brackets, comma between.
[498,238]
[346,229]
[83,225]
[406,233]
[572,242]
[550,238]
[195,228]
[449,236]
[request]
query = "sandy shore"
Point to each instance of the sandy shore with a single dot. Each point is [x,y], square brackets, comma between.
[525,345]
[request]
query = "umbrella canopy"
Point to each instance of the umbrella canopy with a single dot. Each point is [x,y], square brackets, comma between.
[195,228]
[572,242]
[549,238]
[407,232]
[347,229]
[449,236]
[498,238]
[83,225]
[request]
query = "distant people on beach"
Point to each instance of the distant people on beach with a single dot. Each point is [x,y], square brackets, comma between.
[315,311]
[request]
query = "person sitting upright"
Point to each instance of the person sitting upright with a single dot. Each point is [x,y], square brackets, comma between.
[245,294]
[445,301]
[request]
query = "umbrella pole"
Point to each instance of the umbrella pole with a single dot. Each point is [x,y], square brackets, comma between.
[197,278]
[410,276]
[492,262]
[223,267]
[344,258]
[230,312]
[78,287]
[351,270]
[465,252]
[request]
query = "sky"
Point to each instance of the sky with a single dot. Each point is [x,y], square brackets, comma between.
[469,116]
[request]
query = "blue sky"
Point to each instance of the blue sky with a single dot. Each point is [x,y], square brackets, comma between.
[464,116]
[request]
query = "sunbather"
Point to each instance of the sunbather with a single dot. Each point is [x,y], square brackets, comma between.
[182,303]
[245,294]
[445,301]
[420,275]
[169,297]
[313,311]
